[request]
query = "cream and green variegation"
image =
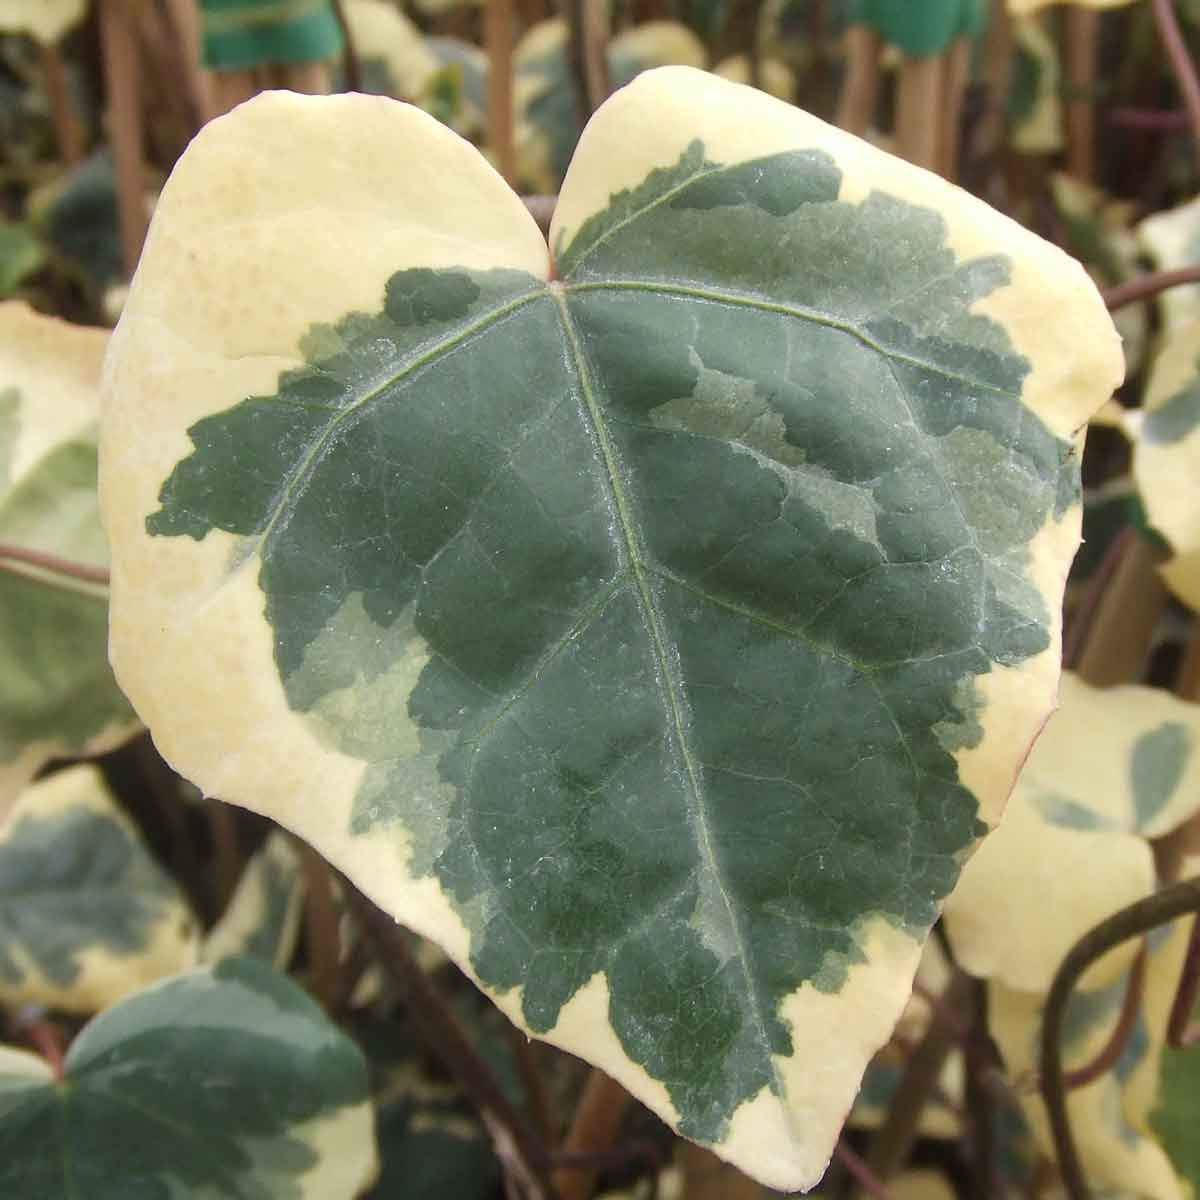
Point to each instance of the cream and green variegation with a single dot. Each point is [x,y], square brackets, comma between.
[1166,457]
[223,1082]
[46,21]
[655,625]
[1172,241]
[57,693]
[1113,768]
[263,915]
[86,914]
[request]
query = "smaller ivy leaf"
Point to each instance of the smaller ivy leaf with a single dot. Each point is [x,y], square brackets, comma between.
[1112,768]
[1176,1114]
[1035,110]
[1172,240]
[1166,457]
[240,35]
[393,53]
[46,21]
[57,692]
[86,914]
[1117,1157]
[926,28]
[223,1081]
[262,918]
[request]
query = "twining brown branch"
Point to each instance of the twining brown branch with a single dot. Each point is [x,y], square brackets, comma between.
[1139,918]
[498,34]
[1181,61]
[524,1159]
[1181,1030]
[858,1170]
[587,22]
[1145,286]
[1130,1007]
[891,1145]
[322,936]
[53,564]
[594,1129]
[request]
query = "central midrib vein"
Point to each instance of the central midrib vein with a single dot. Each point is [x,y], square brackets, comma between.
[670,679]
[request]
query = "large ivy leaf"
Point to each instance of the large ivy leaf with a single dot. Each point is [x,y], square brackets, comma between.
[658,639]
[1166,457]
[86,914]
[225,1081]
[1113,768]
[57,693]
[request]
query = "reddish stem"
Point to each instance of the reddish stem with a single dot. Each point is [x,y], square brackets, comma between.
[1181,1031]
[859,1171]
[1149,285]
[1116,1043]
[1180,60]
[47,1040]
[53,563]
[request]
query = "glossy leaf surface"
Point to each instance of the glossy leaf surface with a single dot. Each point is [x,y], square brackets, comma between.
[658,639]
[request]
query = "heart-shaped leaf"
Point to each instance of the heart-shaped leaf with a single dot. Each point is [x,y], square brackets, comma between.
[57,692]
[658,638]
[1166,457]
[227,1081]
[86,914]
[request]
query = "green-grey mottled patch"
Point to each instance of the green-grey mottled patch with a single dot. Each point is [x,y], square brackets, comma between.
[72,882]
[1156,767]
[198,1087]
[1175,419]
[674,577]
[1070,814]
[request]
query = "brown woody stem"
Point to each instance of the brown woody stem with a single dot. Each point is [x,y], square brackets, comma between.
[523,1157]
[498,41]
[54,564]
[1130,1006]
[594,1128]
[1180,60]
[1133,921]
[1146,286]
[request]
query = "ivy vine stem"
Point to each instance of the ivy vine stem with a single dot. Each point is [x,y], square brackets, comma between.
[1137,919]
[56,565]
[1146,286]
[1181,61]
[524,1159]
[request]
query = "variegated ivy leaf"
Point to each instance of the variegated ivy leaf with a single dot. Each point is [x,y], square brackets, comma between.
[46,21]
[263,915]
[1166,457]
[57,692]
[1035,109]
[1113,768]
[393,54]
[1111,1117]
[546,105]
[656,632]
[226,1081]
[86,914]
[1172,240]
